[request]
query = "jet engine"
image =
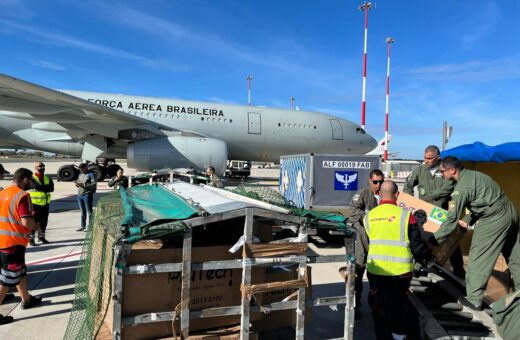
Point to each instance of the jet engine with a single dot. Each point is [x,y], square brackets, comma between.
[178,152]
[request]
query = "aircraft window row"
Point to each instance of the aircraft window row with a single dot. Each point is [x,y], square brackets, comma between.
[220,120]
[301,126]
[166,115]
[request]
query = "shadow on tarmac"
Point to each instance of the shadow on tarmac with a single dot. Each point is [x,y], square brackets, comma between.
[61,311]
[44,279]
[53,245]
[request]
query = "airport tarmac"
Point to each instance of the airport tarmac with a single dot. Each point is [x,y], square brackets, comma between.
[52,268]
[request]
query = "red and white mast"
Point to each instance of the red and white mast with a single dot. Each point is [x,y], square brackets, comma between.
[365,7]
[389,41]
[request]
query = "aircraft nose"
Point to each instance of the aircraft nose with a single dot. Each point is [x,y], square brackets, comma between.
[369,141]
[366,142]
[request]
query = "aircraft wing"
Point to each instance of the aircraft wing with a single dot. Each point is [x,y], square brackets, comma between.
[81,119]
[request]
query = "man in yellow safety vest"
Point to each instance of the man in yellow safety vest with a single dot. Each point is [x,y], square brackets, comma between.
[394,242]
[42,186]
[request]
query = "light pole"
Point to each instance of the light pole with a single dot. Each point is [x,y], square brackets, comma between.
[366,6]
[249,78]
[389,41]
[446,134]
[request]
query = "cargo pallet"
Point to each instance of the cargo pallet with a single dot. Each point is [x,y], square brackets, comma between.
[435,296]
[122,251]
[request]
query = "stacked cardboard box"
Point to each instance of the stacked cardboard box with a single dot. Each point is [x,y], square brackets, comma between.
[161,292]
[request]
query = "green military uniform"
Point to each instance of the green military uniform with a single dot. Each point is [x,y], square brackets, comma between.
[436,190]
[497,230]
[506,314]
[432,189]
[362,202]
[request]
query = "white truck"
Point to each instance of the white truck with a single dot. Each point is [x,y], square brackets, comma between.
[236,168]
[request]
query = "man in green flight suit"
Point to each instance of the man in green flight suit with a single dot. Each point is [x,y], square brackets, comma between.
[363,201]
[496,232]
[434,189]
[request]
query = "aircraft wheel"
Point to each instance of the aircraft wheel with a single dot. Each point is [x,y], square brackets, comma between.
[99,174]
[67,173]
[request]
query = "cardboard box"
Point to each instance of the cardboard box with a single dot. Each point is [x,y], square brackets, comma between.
[435,216]
[161,292]
[284,318]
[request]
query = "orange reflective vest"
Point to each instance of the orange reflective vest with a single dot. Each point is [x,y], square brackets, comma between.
[12,231]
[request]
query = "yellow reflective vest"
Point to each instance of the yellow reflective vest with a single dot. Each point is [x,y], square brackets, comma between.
[40,197]
[389,251]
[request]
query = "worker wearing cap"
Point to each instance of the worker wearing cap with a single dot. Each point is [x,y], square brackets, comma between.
[42,186]
[434,189]
[86,184]
[496,232]
[363,201]
[394,242]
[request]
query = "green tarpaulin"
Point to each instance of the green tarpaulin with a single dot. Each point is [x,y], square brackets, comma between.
[153,204]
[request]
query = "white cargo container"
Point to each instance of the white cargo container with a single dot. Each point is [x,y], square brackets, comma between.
[324,181]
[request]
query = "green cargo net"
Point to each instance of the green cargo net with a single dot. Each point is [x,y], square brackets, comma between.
[142,212]
[93,277]
[314,218]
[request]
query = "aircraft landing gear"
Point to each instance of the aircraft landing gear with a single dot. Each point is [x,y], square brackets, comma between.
[68,173]
[102,168]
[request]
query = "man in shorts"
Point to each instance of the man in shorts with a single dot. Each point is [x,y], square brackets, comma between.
[16,224]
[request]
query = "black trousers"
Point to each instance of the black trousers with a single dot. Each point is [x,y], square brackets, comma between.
[358,285]
[41,216]
[457,263]
[388,299]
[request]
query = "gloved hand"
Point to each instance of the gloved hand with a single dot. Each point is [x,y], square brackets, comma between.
[420,217]
[433,241]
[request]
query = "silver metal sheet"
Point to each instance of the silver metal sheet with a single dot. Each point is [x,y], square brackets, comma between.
[210,201]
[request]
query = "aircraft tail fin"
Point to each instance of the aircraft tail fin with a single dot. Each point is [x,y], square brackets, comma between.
[379,150]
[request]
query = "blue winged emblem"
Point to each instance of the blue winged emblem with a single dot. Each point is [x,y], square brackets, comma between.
[346,179]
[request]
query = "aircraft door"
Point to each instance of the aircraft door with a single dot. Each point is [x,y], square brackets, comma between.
[255,123]
[337,130]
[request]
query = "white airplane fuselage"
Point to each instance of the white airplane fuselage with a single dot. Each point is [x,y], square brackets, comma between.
[250,133]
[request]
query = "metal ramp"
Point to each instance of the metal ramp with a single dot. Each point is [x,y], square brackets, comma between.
[434,298]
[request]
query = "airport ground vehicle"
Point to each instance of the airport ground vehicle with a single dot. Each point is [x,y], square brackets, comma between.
[235,168]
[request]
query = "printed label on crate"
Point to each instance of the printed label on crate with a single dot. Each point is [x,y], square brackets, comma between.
[346,165]
[346,180]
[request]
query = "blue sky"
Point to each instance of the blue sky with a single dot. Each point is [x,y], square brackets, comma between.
[453,60]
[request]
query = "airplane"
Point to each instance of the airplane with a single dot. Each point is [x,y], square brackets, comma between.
[379,150]
[155,133]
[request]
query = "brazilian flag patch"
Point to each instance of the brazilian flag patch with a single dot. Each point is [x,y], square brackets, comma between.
[439,214]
